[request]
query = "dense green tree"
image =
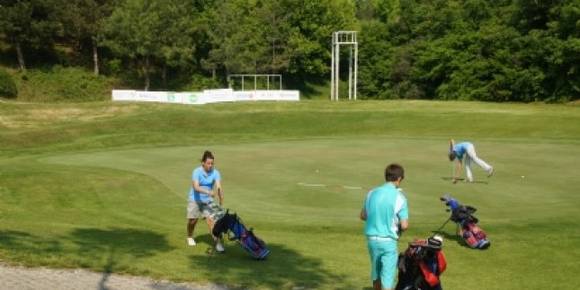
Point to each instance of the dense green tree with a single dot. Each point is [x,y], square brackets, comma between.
[236,37]
[149,32]
[29,23]
[84,24]
[314,23]
[492,50]
[277,36]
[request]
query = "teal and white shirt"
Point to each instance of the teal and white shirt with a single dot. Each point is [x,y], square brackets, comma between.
[385,207]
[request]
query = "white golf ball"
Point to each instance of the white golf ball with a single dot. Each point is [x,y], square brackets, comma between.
[523,176]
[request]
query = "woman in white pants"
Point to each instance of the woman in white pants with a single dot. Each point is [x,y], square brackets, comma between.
[457,151]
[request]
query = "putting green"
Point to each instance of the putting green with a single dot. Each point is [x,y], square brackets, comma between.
[302,198]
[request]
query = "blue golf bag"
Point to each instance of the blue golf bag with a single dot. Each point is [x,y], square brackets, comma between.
[468,229]
[237,231]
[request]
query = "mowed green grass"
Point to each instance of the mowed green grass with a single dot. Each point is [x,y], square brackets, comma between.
[103,186]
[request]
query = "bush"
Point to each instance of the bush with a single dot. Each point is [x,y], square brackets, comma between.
[64,84]
[7,85]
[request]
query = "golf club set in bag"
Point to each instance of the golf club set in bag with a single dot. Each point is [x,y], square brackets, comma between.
[232,224]
[423,261]
[421,265]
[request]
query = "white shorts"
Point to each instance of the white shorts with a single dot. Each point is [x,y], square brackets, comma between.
[193,211]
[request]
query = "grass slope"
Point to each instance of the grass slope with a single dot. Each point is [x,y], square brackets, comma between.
[103,186]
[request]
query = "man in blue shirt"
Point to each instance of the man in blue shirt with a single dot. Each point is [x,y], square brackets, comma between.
[205,179]
[386,214]
[458,151]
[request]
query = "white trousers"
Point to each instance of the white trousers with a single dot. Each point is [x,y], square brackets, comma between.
[472,156]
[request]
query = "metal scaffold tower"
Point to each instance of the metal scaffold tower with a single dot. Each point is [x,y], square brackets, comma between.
[347,38]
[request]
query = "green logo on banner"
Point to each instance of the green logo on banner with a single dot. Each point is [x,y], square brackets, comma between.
[193,98]
[171,97]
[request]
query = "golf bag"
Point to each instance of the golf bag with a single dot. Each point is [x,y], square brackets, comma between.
[238,232]
[463,216]
[421,265]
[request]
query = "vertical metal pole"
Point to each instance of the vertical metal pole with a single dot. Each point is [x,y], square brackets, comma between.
[355,65]
[332,68]
[268,82]
[242,83]
[337,72]
[350,73]
[280,76]
[255,77]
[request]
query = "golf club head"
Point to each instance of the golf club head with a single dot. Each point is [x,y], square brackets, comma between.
[435,242]
[446,197]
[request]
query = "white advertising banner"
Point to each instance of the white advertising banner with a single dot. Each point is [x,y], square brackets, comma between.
[123,95]
[141,96]
[244,96]
[191,98]
[288,96]
[219,96]
[205,97]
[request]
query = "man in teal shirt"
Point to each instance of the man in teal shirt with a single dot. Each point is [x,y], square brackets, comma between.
[386,214]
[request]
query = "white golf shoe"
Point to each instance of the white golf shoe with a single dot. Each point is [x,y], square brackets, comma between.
[191,242]
[219,247]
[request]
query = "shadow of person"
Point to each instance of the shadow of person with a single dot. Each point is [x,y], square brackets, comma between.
[446,178]
[284,268]
[451,178]
[205,239]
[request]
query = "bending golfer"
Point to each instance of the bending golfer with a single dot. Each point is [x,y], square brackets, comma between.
[205,179]
[386,214]
[457,151]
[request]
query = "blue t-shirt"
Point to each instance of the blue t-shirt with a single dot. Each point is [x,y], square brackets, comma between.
[206,180]
[460,149]
[385,207]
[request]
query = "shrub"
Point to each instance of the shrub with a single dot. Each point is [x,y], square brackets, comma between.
[64,84]
[7,85]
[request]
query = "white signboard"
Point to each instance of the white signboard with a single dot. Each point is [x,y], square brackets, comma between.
[205,97]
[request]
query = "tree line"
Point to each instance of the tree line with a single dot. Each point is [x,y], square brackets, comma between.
[492,50]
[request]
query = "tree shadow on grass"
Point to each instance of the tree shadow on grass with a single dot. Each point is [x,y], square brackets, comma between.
[117,244]
[18,242]
[284,268]
[135,243]
[100,249]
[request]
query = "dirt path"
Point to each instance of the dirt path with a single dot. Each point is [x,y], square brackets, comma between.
[22,278]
